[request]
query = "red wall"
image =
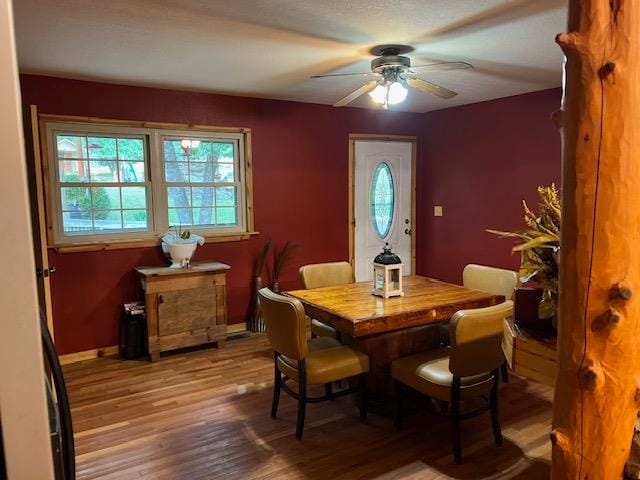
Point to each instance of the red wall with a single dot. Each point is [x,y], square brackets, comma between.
[300,171]
[479,162]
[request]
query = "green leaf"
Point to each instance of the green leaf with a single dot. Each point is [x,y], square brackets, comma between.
[542,241]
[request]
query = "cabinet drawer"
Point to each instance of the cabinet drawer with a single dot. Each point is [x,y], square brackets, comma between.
[186,310]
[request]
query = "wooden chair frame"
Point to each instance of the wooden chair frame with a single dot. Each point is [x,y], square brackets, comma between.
[279,383]
[338,334]
[456,416]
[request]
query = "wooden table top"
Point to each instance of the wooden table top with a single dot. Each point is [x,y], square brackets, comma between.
[353,310]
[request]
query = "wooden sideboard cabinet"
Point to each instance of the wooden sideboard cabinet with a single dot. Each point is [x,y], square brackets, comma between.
[185,306]
[529,356]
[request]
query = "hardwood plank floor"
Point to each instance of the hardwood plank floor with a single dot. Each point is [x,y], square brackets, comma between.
[205,415]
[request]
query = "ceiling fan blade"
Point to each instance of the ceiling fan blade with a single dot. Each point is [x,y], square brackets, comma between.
[343,74]
[432,88]
[441,66]
[503,13]
[353,95]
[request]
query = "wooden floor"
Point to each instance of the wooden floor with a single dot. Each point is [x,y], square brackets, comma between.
[205,415]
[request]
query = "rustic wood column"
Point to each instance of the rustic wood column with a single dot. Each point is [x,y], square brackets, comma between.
[597,395]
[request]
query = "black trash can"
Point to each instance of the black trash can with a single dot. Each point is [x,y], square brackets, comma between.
[133,331]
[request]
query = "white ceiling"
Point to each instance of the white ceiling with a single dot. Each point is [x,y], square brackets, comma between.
[270,48]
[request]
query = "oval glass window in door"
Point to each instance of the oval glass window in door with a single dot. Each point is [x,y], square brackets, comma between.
[382,200]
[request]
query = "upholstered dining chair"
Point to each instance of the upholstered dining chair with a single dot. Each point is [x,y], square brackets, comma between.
[497,281]
[320,361]
[318,275]
[468,368]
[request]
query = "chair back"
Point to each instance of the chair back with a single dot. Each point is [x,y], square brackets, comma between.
[496,281]
[476,339]
[286,325]
[319,275]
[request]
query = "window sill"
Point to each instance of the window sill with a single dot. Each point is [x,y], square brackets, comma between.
[147,242]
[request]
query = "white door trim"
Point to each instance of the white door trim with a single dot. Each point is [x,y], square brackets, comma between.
[353,137]
[23,403]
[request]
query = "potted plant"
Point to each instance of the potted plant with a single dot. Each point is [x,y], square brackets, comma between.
[540,248]
[179,246]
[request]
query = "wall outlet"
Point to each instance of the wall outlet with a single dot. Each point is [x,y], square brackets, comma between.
[437,210]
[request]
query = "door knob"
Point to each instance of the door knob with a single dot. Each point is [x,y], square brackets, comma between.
[45,272]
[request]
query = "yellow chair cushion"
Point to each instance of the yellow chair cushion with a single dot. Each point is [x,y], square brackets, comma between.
[428,373]
[327,365]
[320,329]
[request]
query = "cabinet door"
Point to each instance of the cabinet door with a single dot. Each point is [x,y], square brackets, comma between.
[186,310]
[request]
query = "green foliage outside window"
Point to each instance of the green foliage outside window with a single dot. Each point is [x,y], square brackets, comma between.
[82,200]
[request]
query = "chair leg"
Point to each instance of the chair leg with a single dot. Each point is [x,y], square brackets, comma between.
[455,416]
[339,339]
[493,403]
[328,390]
[397,418]
[277,381]
[362,380]
[302,397]
[505,372]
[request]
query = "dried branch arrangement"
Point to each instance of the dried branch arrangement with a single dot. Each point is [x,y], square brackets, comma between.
[261,259]
[281,259]
[255,322]
[540,242]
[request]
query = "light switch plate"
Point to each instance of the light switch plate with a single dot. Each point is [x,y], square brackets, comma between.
[437,210]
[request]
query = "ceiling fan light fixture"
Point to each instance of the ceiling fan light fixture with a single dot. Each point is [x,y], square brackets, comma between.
[393,77]
[379,94]
[186,143]
[397,93]
[390,93]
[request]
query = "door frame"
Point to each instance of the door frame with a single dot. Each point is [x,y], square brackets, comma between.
[353,137]
[39,220]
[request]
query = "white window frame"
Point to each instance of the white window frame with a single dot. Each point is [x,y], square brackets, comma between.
[55,197]
[157,199]
[160,184]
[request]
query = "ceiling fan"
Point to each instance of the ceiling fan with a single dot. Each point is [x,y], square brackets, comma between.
[393,74]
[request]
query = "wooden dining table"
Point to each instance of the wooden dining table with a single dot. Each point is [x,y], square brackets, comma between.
[389,328]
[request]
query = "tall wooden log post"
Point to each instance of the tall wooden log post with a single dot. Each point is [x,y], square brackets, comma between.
[597,389]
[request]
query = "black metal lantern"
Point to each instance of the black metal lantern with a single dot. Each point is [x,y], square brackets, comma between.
[387,274]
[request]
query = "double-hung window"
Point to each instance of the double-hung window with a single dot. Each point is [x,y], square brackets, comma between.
[110,183]
[102,184]
[203,181]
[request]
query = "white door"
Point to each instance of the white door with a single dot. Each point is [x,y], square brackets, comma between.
[382,203]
